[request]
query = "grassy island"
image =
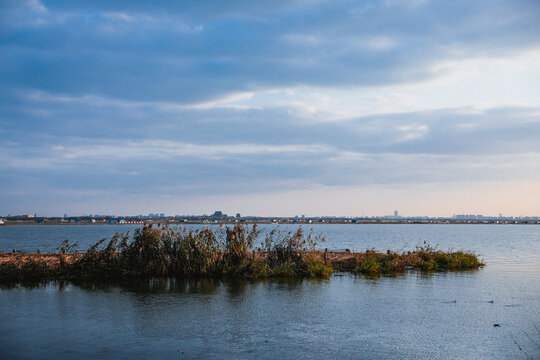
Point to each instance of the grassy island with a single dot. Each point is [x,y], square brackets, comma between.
[165,251]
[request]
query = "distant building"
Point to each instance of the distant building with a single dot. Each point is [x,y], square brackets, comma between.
[218,214]
[238,215]
[21,217]
[396,213]
[468,217]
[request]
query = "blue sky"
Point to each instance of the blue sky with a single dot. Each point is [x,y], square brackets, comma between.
[270,108]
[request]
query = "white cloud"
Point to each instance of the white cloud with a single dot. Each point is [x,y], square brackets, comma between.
[471,83]
[161,149]
[412,131]
[228,101]
[372,43]
[119,16]
[37,6]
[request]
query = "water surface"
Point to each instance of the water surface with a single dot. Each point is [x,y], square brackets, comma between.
[412,316]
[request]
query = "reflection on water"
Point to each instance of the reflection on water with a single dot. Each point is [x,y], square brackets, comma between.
[413,315]
[407,316]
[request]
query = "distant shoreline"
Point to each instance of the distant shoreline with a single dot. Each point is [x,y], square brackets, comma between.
[359,222]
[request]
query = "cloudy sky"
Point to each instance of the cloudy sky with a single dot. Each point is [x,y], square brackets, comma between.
[270,108]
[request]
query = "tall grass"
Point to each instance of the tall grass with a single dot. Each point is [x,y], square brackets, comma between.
[165,251]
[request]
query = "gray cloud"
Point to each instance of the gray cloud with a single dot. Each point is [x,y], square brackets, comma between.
[195,52]
[111,98]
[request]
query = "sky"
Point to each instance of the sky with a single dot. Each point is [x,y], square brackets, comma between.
[270,108]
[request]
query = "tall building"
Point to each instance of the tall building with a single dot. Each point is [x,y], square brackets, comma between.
[396,214]
[219,214]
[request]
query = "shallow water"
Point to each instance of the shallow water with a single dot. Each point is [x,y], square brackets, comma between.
[443,315]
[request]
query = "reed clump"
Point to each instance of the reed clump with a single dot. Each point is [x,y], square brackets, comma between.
[165,251]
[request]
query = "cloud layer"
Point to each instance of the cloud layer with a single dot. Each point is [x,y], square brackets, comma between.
[106,103]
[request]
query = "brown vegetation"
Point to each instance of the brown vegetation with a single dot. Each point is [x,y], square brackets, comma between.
[231,252]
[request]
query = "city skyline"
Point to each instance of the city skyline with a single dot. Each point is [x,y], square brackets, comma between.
[222,214]
[293,107]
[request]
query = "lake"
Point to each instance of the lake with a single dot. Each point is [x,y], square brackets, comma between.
[411,316]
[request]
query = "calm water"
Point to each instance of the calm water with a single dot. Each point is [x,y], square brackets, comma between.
[413,316]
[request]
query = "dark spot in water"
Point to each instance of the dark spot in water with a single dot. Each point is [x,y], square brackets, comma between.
[497,325]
